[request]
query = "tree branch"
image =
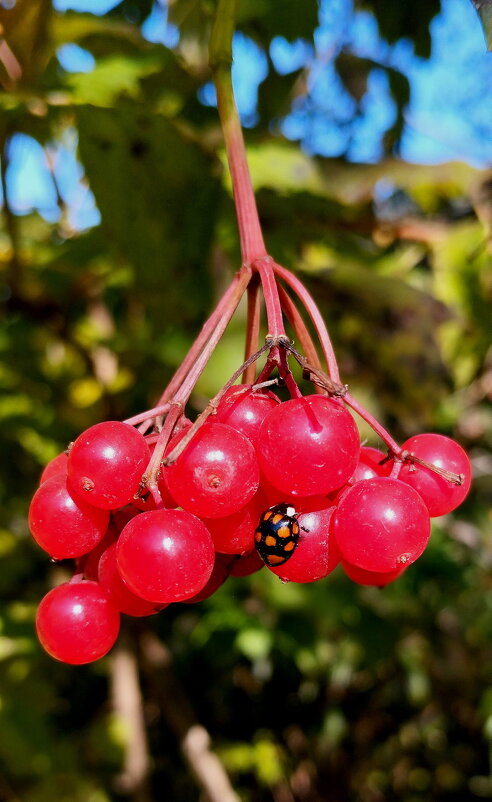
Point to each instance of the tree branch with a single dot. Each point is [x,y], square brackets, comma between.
[194,740]
[127,704]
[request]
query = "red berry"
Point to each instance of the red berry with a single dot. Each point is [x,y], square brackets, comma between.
[235,533]
[248,564]
[244,409]
[371,578]
[440,495]
[369,465]
[121,517]
[57,465]
[145,501]
[77,623]
[61,523]
[308,446]
[120,594]
[167,499]
[316,554]
[381,525]
[165,556]
[217,473]
[91,560]
[220,572]
[106,463]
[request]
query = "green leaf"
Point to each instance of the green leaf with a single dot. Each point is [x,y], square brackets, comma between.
[111,78]
[293,22]
[157,195]
[73,27]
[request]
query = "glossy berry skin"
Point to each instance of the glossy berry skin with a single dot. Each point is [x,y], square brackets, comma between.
[221,570]
[308,446]
[439,494]
[77,623]
[235,533]
[120,594]
[165,556]
[247,564]
[381,525]
[61,523]
[368,466]
[57,465]
[90,562]
[277,534]
[121,517]
[245,410]
[317,553]
[106,463]
[217,473]
[144,500]
[371,578]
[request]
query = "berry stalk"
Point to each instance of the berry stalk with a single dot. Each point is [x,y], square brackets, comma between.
[217,322]
[192,375]
[253,248]
[300,330]
[252,328]
[220,61]
[315,315]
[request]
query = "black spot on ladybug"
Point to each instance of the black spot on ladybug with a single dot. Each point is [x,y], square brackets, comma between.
[277,534]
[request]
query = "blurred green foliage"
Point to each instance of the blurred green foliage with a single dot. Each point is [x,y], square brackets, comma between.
[327,692]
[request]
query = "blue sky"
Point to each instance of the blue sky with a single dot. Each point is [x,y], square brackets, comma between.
[449,116]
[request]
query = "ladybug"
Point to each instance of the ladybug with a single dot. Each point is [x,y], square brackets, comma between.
[277,534]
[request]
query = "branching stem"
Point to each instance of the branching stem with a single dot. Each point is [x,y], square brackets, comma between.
[213,404]
[217,321]
[315,315]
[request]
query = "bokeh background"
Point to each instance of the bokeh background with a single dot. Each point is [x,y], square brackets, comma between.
[369,132]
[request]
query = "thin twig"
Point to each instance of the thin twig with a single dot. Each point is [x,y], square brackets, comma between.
[314,374]
[301,332]
[308,302]
[128,705]
[217,322]
[193,738]
[213,403]
[454,478]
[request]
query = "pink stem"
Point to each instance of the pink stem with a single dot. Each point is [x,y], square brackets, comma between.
[223,311]
[287,376]
[395,471]
[148,415]
[151,475]
[194,372]
[252,329]
[314,313]
[373,423]
[212,406]
[270,293]
[250,234]
[301,332]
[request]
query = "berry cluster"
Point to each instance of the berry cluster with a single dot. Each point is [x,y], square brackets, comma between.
[256,481]
[157,510]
